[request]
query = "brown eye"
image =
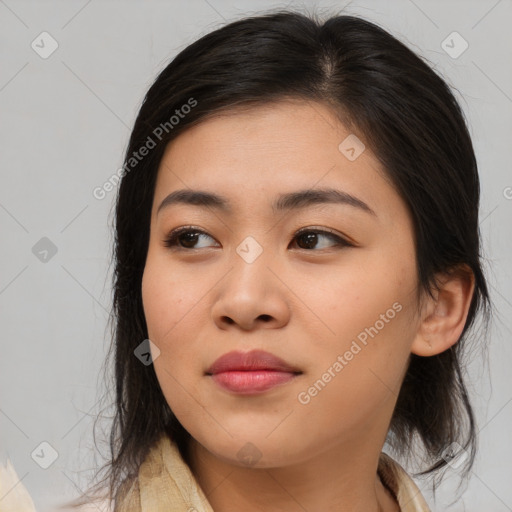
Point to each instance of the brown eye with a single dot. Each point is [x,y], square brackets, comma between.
[188,237]
[185,238]
[311,237]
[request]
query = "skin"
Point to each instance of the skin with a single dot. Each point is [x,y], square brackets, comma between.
[305,305]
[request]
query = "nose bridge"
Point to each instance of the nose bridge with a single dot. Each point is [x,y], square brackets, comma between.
[250,291]
[250,260]
[250,250]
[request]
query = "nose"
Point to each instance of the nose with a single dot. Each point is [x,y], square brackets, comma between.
[251,296]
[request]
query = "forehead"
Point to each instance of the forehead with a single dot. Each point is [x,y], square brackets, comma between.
[252,155]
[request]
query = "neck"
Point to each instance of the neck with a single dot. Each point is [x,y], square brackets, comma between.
[337,480]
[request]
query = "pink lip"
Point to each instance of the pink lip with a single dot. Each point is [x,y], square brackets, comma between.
[250,372]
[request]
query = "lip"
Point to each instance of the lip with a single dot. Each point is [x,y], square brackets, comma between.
[251,372]
[250,361]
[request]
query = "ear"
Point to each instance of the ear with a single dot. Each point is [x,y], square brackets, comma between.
[444,316]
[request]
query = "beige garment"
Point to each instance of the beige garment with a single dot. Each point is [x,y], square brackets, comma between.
[166,484]
[14,496]
[401,485]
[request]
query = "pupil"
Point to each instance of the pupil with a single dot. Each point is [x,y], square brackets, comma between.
[191,238]
[311,239]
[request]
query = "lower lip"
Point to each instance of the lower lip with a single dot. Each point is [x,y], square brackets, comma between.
[246,382]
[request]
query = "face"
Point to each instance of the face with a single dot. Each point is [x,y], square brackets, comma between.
[326,285]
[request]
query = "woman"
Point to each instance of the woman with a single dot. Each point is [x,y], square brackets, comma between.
[297,271]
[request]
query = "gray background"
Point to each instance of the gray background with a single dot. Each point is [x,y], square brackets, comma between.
[65,122]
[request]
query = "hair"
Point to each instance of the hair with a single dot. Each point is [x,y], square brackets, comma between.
[405,113]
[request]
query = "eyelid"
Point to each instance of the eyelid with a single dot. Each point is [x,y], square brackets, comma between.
[175,233]
[343,240]
[320,229]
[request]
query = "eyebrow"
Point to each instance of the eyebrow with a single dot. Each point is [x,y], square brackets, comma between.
[285,202]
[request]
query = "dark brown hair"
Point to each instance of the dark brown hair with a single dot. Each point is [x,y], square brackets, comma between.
[406,114]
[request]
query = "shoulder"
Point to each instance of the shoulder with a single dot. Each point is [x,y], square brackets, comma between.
[403,487]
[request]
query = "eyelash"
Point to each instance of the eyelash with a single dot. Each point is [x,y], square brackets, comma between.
[171,241]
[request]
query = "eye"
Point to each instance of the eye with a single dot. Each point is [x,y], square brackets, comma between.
[310,238]
[185,238]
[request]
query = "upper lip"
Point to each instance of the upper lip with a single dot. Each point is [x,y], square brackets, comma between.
[247,361]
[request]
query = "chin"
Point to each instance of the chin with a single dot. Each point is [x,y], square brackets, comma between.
[256,450]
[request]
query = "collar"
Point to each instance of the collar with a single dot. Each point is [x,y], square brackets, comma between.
[401,485]
[165,480]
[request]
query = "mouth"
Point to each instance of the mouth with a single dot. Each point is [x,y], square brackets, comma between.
[251,372]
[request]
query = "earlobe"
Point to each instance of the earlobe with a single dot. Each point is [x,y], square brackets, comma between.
[444,316]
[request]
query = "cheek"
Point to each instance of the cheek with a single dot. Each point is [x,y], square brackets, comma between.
[352,297]
[169,300]
[352,380]
[367,320]
[175,315]
[171,310]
